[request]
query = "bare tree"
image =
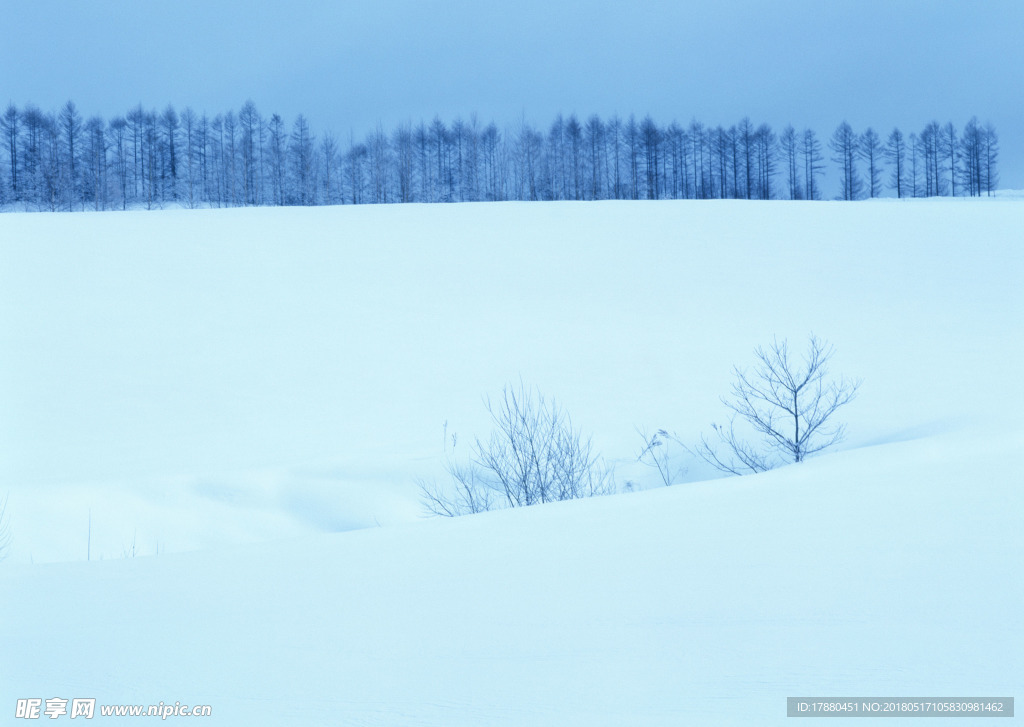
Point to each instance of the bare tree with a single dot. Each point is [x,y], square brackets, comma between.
[534,455]
[789,403]
[379,150]
[869,148]
[404,161]
[895,153]
[71,126]
[844,145]
[788,144]
[949,145]
[10,128]
[251,124]
[970,155]
[990,156]
[302,163]
[813,159]
[329,157]
[931,142]
[914,147]
[355,160]
[94,163]
[170,124]
[278,158]
[188,128]
[631,137]
[765,143]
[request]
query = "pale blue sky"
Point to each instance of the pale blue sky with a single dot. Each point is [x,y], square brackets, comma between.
[349,65]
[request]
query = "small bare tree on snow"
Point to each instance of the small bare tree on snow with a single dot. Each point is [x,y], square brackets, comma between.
[789,402]
[534,455]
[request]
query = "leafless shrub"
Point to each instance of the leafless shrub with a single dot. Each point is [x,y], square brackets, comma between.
[467,496]
[533,456]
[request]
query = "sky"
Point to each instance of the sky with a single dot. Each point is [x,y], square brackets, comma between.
[349,66]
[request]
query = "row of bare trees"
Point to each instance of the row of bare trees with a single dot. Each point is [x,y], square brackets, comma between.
[146,158]
[940,161]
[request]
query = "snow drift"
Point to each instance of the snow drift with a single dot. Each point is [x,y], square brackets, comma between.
[245,384]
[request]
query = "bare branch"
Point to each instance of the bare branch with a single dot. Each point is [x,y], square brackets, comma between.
[654,454]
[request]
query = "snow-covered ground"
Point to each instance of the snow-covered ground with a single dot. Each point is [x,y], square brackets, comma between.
[246,384]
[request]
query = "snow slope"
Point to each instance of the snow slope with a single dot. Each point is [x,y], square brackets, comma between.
[200,378]
[891,570]
[245,384]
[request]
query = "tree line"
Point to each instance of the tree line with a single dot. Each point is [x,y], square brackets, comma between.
[145,158]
